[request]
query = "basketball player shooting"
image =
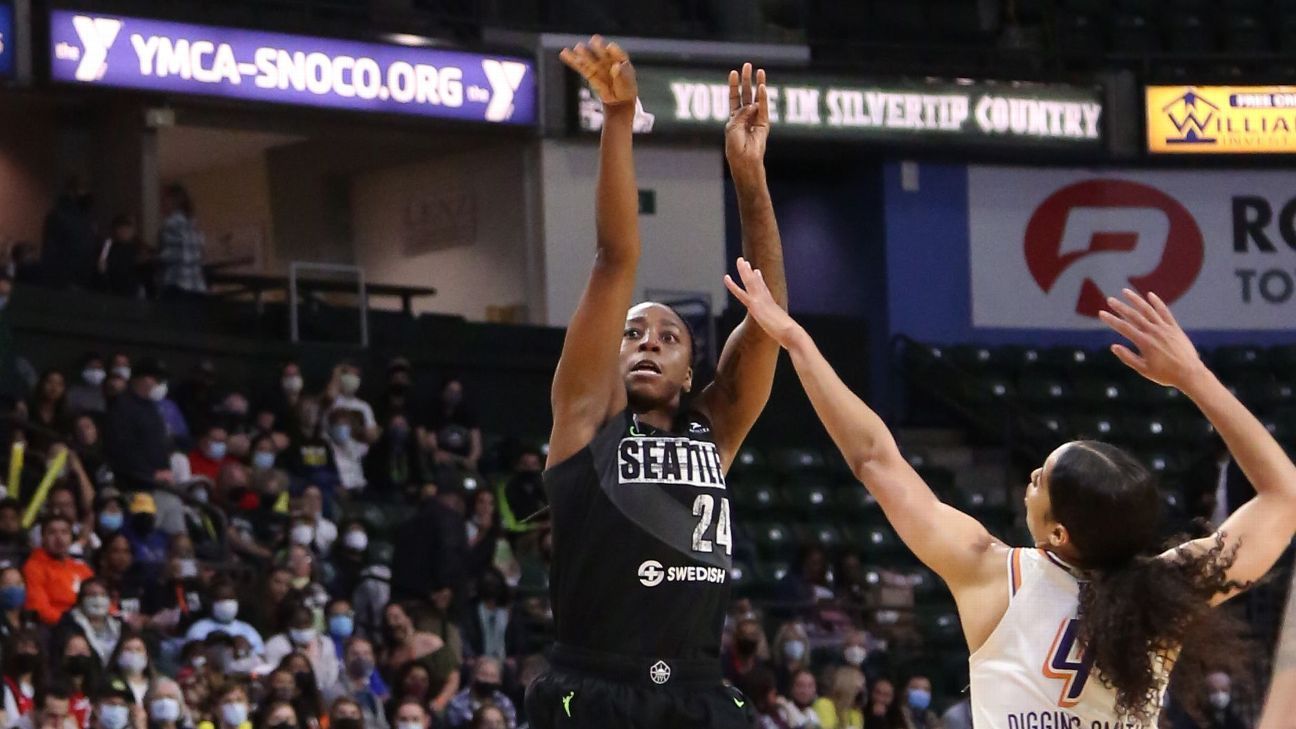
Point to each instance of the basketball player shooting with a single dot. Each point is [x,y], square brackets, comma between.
[636,472]
[1083,629]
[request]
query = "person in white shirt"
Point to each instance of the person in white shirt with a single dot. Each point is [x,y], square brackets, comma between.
[223,617]
[1084,628]
[325,531]
[300,635]
[341,395]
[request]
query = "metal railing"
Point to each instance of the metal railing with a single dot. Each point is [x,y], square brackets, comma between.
[294,301]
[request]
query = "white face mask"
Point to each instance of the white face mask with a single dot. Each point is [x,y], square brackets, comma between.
[95,607]
[122,372]
[794,649]
[356,540]
[855,654]
[234,714]
[159,392]
[132,662]
[164,710]
[302,636]
[349,383]
[303,534]
[224,611]
[409,725]
[112,716]
[1220,699]
[93,376]
[292,384]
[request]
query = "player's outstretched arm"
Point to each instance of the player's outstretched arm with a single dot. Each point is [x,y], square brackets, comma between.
[1260,530]
[953,544]
[587,385]
[745,372]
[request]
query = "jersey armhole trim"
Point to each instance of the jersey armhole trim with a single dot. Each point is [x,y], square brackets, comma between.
[1014,572]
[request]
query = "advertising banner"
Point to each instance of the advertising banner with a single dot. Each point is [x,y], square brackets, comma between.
[1047,246]
[1221,119]
[817,106]
[154,55]
[8,42]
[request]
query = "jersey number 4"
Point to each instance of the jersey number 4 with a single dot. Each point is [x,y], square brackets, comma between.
[704,507]
[1068,662]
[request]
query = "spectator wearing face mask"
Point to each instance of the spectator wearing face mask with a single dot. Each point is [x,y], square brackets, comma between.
[396,462]
[311,506]
[223,610]
[339,622]
[283,397]
[149,545]
[797,710]
[82,670]
[166,706]
[360,682]
[840,709]
[14,617]
[86,394]
[748,652]
[348,452]
[115,565]
[299,635]
[265,454]
[523,494]
[411,715]
[52,574]
[346,714]
[132,666]
[349,558]
[92,619]
[485,689]
[25,677]
[341,395]
[210,453]
[854,649]
[177,599]
[917,704]
[1219,710]
[493,629]
[230,709]
[115,707]
[452,427]
[136,437]
[791,654]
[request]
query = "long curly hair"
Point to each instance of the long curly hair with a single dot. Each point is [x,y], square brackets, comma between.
[1142,614]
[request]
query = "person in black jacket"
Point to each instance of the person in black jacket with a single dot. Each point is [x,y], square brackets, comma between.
[70,248]
[492,626]
[135,437]
[431,553]
[119,259]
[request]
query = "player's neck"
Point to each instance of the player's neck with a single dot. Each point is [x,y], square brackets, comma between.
[659,419]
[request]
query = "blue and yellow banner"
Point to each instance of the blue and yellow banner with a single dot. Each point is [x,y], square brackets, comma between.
[1221,119]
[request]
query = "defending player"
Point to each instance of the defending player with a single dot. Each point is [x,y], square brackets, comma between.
[1083,629]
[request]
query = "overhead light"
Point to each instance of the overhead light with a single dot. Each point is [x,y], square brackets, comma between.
[409,39]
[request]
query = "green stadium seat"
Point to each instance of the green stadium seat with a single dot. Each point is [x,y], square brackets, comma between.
[989,389]
[1044,390]
[382,552]
[1100,392]
[822,535]
[1055,425]
[1095,427]
[1149,429]
[974,358]
[1144,391]
[808,498]
[754,496]
[749,457]
[1068,359]
[855,501]
[941,628]
[796,460]
[772,538]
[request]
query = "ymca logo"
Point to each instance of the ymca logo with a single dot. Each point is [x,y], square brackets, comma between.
[1195,114]
[97,36]
[1090,239]
[505,78]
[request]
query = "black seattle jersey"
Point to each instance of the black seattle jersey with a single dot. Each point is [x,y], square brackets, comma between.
[642,541]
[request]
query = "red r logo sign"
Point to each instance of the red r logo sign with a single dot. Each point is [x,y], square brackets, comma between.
[1114,216]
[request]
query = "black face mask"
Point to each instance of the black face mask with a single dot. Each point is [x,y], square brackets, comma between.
[143,523]
[746,646]
[482,688]
[26,662]
[283,725]
[347,724]
[79,665]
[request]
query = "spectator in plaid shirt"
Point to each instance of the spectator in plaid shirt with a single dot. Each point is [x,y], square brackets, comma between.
[180,245]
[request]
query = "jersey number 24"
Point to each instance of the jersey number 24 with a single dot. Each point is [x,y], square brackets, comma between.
[704,507]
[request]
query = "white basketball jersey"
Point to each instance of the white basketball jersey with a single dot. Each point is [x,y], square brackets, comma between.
[1031,673]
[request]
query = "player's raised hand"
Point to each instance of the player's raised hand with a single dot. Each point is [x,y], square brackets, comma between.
[606,67]
[1164,354]
[761,306]
[748,127]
